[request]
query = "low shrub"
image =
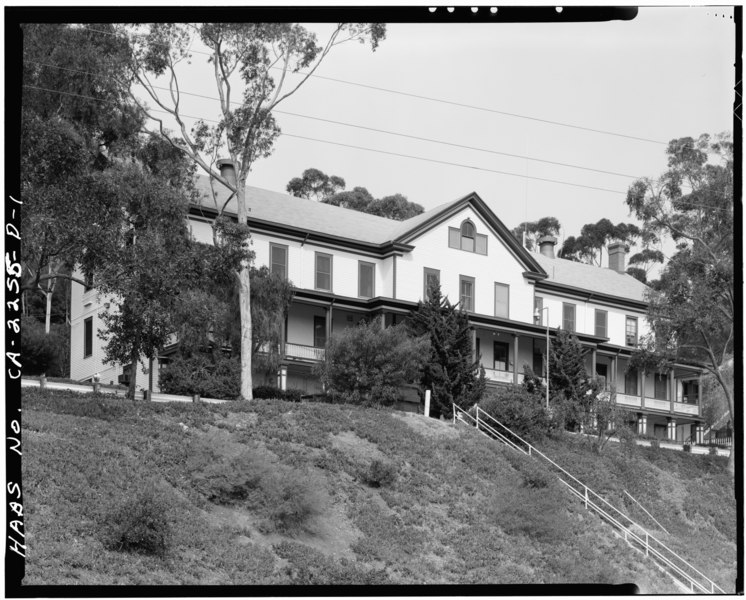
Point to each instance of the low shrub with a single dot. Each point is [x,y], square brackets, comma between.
[520,411]
[379,473]
[292,501]
[284,496]
[269,391]
[141,524]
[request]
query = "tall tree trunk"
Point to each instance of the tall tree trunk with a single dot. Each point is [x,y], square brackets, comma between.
[48,295]
[134,357]
[244,301]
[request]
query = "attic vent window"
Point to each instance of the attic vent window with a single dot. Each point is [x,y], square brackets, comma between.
[466,238]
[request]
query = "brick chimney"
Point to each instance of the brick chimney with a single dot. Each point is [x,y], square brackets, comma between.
[546,245]
[227,169]
[617,252]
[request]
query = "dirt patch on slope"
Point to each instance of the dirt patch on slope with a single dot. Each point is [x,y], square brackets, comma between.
[427,426]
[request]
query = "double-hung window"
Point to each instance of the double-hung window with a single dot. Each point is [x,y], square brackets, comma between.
[278,257]
[323,280]
[630,382]
[88,337]
[431,279]
[466,292]
[568,316]
[502,297]
[631,331]
[366,279]
[501,352]
[538,309]
[602,318]
[661,387]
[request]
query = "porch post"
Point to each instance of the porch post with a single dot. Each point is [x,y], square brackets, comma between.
[613,374]
[593,363]
[329,316]
[642,424]
[474,356]
[641,379]
[515,359]
[699,394]
[671,388]
[382,316]
[282,378]
[283,336]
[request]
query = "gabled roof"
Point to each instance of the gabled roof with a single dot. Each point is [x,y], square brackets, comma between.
[268,207]
[591,278]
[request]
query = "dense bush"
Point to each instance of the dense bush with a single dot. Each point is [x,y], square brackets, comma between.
[269,391]
[42,352]
[522,412]
[367,364]
[209,375]
[379,473]
[142,524]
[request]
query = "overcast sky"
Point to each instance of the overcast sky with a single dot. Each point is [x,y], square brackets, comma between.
[666,74]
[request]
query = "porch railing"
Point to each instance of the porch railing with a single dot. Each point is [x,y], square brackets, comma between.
[498,375]
[304,352]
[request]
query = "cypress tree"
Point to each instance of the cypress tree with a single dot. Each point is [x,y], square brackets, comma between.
[450,372]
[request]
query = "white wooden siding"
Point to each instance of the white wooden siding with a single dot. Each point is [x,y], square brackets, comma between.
[499,265]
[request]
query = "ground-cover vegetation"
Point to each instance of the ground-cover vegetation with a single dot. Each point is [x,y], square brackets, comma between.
[276,492]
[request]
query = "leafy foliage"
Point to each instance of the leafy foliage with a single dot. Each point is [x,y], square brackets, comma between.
[588,246]
[44,353]
[692,311]
[209,374]
[534,230]
[450,370]
[254,58]
[368,364]
[315,185]
[520,410]
[142,524]
[379,473]
[395,207]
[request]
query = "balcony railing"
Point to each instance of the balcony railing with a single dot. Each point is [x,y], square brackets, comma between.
[689,409]
[636,401]
[302,352]
[627,400]
[497,375]
[659,404]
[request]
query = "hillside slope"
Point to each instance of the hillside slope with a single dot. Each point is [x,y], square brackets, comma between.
[272,492]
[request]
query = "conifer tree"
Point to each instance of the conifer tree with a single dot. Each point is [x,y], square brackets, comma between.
[451,372]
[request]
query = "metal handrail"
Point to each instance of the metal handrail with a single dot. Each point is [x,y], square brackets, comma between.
[585,496]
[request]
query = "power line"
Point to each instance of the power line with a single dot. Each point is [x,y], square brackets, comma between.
[364,148]
[448,102]
[387,132]
[388,152]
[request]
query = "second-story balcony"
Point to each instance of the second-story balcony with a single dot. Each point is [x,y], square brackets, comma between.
[303,352]
[632,401]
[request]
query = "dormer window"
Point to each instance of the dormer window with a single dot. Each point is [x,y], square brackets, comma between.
[466,238]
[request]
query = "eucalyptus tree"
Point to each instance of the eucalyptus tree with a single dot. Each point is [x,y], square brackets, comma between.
[692,312]
[252,64]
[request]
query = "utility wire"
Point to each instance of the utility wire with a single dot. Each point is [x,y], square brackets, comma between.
[381,151]
[440,100]
[387,132]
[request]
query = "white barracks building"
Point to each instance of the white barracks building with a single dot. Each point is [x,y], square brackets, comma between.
[347,265]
